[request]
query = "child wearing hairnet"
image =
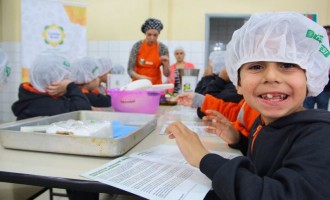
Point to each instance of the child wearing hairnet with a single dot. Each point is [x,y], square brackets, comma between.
[217,83]
[4,68]
[275,60]
[50,90]
[105,65]
[86,71]
[107,68]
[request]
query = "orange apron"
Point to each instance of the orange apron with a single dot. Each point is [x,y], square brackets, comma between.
[148,63]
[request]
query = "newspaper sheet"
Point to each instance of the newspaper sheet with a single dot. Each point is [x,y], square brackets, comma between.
[157,173]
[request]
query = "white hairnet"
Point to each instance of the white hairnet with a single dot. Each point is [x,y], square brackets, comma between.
[217,59]
[48,68]
[105,65]
[179,48]
[4,69]
[282,37]
[85,70]
[118,69]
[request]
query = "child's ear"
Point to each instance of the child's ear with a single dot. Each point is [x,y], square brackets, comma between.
[239,90]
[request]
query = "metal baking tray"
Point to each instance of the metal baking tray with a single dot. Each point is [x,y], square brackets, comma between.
[11,136]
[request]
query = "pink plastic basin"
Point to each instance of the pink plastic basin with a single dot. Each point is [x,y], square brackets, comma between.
[137,101]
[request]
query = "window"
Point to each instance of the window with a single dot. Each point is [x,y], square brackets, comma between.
[219,29]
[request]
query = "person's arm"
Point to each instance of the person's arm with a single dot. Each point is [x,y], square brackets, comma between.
[164,58]
[296,177]
[74,99]
[58,88]
[132,62]
[46,105]
[99,100]
[228,109]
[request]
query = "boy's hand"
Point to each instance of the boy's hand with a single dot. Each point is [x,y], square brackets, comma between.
[185,99]
[221,126]
[58,88]
[188,142]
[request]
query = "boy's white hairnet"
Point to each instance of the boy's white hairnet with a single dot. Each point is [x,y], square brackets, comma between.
[85,70]
[118,69]
[282,37]
[217,59]
[48,68]
[4,68]
[105,65]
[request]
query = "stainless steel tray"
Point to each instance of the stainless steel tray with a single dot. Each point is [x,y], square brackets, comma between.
[12,137]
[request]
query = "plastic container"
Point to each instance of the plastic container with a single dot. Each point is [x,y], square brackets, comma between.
[136,101]
[188,79]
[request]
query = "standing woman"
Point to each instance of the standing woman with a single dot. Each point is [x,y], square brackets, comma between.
[148,55]
[174,78]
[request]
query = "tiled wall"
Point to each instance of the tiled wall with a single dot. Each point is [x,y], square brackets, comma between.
[118,51]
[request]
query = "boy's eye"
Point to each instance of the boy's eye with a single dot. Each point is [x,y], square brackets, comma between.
[289,65]
[255,67]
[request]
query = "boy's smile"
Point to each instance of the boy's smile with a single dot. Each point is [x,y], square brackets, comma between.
[274,89]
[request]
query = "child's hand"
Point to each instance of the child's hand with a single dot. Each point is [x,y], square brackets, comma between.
[188,142]
[221,126]
[223,74]
[208,71]
[58,88]
[185,99]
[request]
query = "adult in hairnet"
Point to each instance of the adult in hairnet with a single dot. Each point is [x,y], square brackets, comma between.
[4,68]
[50,91]
[86,76]
[180,63]
[275,60]
[147,56]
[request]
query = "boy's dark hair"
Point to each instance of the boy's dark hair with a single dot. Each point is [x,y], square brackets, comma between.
[327,27]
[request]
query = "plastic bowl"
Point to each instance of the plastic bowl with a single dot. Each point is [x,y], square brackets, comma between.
[136,101]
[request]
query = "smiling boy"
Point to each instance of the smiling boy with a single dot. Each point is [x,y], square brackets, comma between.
[275,60]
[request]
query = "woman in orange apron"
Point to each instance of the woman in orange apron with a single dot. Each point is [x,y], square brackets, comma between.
[148,55]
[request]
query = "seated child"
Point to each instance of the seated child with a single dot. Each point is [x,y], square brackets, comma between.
[275,60]
[86,76]
[117,69]
[50,90]
[105,66]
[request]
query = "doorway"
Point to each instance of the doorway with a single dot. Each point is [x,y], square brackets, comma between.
[219,29]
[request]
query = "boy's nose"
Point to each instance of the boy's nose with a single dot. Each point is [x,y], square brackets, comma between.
[271,73]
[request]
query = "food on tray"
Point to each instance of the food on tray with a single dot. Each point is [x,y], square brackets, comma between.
[170,97]
[168,100]
[96,128]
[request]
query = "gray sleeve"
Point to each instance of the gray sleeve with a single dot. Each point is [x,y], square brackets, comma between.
[132,57]
[163,50]
[198,100]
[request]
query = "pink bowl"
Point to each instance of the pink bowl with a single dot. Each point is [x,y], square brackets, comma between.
[137,101]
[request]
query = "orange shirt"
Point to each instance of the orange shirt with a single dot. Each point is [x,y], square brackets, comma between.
[240,114]
[148,62]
